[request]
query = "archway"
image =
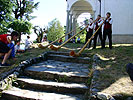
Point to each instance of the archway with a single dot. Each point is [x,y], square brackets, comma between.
[76,9]
[81,6]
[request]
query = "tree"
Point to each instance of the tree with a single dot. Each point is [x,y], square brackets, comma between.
[39,32]
[55,30]
[5,14]
[82,35]
[22,27]
[22,9]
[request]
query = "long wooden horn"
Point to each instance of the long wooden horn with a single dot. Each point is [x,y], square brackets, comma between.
[51,44]
[74,54]
[56,48]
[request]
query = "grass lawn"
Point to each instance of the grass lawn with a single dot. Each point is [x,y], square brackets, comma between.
[113,78]
[34,52]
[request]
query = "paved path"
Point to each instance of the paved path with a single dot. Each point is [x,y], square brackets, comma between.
[59,78]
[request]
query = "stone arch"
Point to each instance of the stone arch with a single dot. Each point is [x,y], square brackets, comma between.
[76,8]
[90,3]
[80,7]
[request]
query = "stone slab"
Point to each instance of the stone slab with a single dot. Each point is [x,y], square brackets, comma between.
[56,69]
[64,58]
[21,94]
[51,86]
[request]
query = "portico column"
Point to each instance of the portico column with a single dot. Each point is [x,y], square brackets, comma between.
[67,24]
[67,21]
[74,25]
[94,15]
[103,8]
[70,23]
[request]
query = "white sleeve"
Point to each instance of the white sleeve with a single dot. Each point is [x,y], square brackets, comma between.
[100,23]
[87,28]
[111,21]
[26,42]
[94,26]
[91,27]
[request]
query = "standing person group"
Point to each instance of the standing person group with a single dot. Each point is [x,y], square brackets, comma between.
[90,31]
[107,30]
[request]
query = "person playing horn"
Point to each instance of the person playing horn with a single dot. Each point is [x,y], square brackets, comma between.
[98,22]
[90,31]
[108,30]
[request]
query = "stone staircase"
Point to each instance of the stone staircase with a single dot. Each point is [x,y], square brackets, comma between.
[61,77]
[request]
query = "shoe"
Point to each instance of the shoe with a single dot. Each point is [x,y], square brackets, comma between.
[102,47]
[5,64]
[111,47]
[89,47]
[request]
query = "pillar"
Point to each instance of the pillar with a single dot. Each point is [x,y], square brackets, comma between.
[95,16]
[67,24]
[74,25]
[103,8]
[67,21]
[70,23]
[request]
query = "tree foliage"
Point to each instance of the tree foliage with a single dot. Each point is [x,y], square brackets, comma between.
[82,35]
[5,14]
[22,9]
[22,27]
[55,30]
[39,32]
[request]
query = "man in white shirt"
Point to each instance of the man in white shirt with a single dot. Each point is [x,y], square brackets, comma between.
[108,30]
[19,48]
[27,43]
[90,31]
[99,21]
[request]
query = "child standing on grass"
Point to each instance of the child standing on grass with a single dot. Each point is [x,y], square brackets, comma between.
[27,43]
[7,46]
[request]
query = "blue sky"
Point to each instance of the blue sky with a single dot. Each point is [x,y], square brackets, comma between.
[48,10]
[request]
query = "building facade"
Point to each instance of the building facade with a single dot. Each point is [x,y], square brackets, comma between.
[121,11]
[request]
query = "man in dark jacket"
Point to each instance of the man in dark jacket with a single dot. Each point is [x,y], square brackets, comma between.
[108,30]
[129,68]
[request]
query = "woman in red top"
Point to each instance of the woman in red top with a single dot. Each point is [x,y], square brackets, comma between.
[5,50]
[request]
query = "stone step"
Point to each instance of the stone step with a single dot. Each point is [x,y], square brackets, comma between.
[55,76]
[59,71]
[59,53]
[22,94]
[64,58]
[51,86]
[67,53]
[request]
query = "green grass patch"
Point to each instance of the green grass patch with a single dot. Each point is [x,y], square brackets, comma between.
[112,70]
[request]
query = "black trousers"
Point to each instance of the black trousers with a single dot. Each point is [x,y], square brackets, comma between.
[107,32]
[88,36]
[129,68]
[4,48]
[95,38]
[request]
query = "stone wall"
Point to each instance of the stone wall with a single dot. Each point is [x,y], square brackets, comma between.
[7,77]
[119,38]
